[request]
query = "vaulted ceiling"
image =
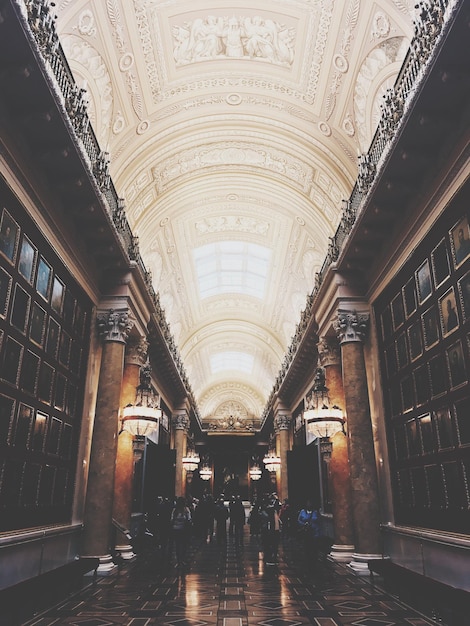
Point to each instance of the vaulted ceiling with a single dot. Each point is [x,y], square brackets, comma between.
[233,130]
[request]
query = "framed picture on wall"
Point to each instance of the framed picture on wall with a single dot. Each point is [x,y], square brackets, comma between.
[43,278]
[460,241]
[456,364]
[448,312]
[7,411]
[464,293]
[5,290]
[423,280]
[37,325]
[428,442]
[409,295]
[26,261]
[415,341]
[398,311]
[445,434]
[430,323]
[440,263]
[57,295]
[9,235]
[438,371]
[462,412]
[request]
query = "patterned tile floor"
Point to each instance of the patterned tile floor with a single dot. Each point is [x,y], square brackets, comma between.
[230,586]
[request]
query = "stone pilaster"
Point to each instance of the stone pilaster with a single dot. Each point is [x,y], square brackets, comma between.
[113,327]
[338,468]
[282,422]
[180,423]
[135,357]
[352,328]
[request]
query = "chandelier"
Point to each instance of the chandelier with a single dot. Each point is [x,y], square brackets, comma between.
[205,472]
[322,421]
[191,460]
[271,461]
[255,472]
[142,418]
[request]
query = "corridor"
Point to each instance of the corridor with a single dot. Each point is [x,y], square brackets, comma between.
[230,586]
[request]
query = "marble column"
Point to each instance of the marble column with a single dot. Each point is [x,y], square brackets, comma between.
[352,328]
[113,327]
[338,467]
[282,421]
[180,423]
[135,357]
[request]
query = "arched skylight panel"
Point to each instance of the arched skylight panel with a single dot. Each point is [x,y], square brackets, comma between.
[240,361]
[232,267]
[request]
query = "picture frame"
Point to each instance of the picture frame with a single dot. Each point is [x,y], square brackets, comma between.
[39,431]
[460,241]
[43,278]
[430,324]
[9,236]
[64,348]
[402,351]
[440,263]
[57,295]
[53,436]
[401,446]
[7,412]
[409,297]
[448,312]
[407,393]
[435,487]
[20,309]
[6,282]
[69,308]
[29,372]
[53,336]
[463,286]
[45,380]
[387,323]
[66,441]
[426,430]
[445,435]
[398,311]
[438,375]
[23,425]
[59,395]
[415,341]
[412,435]
[26,259]
[46,485]
[30,484]
[422,384]
[12,357]
[37,324]
[456,365]
[423,280]
[461,410]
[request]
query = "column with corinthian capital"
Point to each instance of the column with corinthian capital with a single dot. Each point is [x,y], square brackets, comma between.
[338,468]
[135,357]
[352,328]
[282,421]
[180,422]
[114,326]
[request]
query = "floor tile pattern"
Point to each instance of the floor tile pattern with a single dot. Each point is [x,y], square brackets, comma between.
[229,585]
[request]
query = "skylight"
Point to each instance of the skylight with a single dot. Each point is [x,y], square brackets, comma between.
[240,361]
[232,267]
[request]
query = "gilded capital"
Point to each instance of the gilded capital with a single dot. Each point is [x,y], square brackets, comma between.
[282,422]
[180,421]
[114,325]
[137,352]
[329,352]
[351,326]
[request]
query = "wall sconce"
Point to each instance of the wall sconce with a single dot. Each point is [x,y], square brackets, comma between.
[142,418]
[271,461]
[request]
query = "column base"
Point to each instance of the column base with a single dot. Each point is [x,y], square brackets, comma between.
[359,563]
[341,553]
[126,552]
[106,566]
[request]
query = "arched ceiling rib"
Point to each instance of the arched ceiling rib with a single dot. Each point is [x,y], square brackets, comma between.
[234,122]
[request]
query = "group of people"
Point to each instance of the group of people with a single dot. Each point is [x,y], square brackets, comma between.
[173,523]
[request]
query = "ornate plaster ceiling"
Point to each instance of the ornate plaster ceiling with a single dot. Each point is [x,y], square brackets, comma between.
[241,122]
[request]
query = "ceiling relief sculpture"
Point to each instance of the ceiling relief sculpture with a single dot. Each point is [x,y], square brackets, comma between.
[233,131]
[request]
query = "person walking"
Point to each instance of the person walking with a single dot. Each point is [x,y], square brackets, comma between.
[181,521]
[237,519]
[308,524]
[270,531]
[221,514]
